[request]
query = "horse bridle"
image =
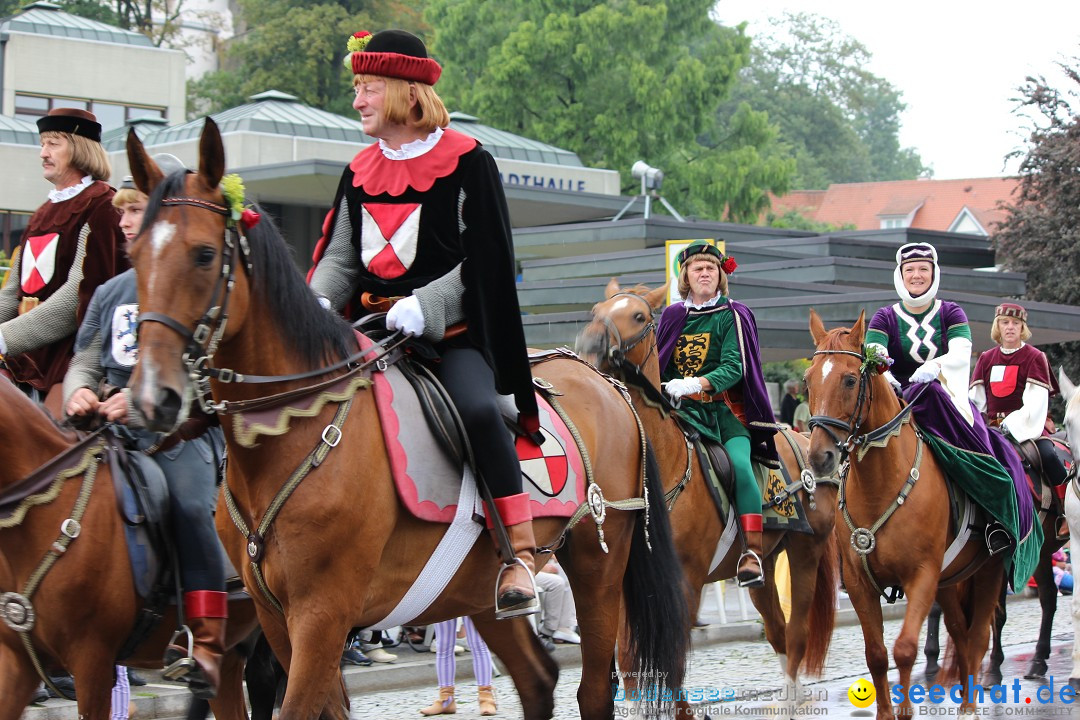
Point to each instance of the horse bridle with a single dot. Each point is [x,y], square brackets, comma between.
[202,342]
[617,353]
[858,415]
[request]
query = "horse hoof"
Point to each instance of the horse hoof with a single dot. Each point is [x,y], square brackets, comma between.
[1074,683]
[1037,671]
[932,669]
[991,677]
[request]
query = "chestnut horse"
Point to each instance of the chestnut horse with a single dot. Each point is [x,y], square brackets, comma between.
[84,606]
[1071,394]
[620,339]
[895,506]
[341,551]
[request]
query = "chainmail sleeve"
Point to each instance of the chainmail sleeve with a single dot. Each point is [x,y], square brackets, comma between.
[441,303]
[56,317]
[9,294]
[85,369]
[337,274]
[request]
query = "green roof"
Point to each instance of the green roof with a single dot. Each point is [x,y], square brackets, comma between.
[278,113]
[42,18]
[508,146]
[274,113]
[14,131]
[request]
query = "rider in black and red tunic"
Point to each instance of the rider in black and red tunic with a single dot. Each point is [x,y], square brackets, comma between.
[420,224]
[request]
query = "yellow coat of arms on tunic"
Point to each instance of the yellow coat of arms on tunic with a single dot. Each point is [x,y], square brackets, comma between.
[690,353]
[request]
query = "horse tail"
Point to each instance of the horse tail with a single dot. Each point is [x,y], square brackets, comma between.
[655,592]
[822,615]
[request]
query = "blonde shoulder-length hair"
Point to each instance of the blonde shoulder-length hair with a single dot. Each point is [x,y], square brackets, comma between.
[428,113]
[684,278]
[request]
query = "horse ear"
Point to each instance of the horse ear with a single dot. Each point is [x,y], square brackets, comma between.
[817,328]
[858,330]
[611,289]
[656,297]
[1068,389]
[211,155]
[144,171]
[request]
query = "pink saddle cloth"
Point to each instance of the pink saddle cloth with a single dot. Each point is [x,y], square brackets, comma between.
[428,481]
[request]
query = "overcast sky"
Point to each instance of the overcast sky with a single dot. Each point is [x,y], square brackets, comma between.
[957,62]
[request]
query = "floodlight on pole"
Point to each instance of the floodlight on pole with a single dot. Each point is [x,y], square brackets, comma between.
[651,180]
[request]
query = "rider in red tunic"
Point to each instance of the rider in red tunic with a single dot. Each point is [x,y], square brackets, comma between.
[1012,386]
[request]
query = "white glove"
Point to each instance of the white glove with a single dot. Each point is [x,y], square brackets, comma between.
[325,302]
[927,372]
[680,387]
[3,344]
[892,380]
[406,316]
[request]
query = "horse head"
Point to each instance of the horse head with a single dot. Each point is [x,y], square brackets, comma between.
[219,293]
[621,331]
[1071,395]
[838,392]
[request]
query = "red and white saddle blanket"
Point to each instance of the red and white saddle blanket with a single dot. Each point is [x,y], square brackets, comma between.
[428,481]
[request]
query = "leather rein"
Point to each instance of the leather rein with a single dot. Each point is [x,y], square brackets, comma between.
[617,354]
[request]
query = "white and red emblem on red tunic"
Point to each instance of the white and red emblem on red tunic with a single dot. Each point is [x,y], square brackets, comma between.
[38,262]
[1003,380]
[388,236]
[545,465]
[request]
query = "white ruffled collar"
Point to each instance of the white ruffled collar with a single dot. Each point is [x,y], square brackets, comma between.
[413,149]
[1005,351]
[67,193]
[708,303]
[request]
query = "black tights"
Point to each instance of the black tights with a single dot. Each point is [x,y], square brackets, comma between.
[471,385]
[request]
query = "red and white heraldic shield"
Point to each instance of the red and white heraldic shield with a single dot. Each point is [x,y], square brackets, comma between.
[38,262]
[1003,380]
[389,237]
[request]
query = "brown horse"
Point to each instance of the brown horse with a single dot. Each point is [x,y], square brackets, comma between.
[341,550]
[85,605]
[620,339]
[895,506]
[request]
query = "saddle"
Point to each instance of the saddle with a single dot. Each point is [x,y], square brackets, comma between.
[781,507]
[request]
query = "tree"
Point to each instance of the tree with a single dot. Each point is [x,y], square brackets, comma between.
[1040,235]
[616,81]
[840,121]
[297,49]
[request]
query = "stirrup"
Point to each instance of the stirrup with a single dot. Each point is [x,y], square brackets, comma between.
[757,580]
[1061,529]
[994,543]
[530,606]
[178,666]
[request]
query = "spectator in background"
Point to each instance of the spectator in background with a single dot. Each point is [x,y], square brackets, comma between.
[445,667]
[558,614]
[789,402]
[801,418]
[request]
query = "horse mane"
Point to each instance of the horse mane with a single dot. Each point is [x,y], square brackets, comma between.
[22,415]
[316,335]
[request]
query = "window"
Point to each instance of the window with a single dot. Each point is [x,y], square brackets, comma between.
[110,115]
[890,223]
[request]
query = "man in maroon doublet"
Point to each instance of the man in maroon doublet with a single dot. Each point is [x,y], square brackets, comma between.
[71,245]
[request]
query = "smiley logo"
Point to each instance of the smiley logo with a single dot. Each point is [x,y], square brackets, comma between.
[861,693]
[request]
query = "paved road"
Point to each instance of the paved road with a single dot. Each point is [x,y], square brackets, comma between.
[744,666]
[749,667]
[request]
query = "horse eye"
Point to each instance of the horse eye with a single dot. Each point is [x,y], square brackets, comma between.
[639,317]
[205,255]
[849,381]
